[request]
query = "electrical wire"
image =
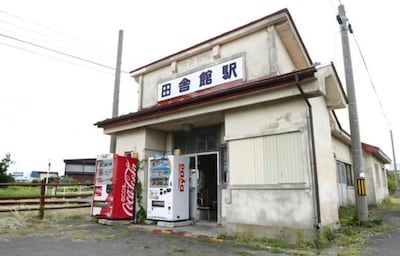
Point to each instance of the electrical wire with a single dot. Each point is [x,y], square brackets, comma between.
[65,61]
[367,70]
[370,80]
[87,44]
[59,52]
[54,30]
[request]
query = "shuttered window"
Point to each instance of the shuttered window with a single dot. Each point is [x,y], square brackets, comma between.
[274,159]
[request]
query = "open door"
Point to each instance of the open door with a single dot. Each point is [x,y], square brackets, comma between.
[207,187]
[203,195]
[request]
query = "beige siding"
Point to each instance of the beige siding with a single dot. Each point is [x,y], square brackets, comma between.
[290,157]
[273,159]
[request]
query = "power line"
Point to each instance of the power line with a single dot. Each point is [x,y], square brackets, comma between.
[58,59]
[89,44]
[367,70]
[12,28]
[369,74]
[371,81]
[59,52]
[53,30]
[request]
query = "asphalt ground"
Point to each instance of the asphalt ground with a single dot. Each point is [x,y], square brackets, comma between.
[387,243]
[83,236]
[78,237]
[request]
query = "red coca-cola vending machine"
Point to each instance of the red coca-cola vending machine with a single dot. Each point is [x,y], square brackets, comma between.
[114,187]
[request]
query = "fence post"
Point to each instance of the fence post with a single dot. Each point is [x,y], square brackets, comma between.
[42,197]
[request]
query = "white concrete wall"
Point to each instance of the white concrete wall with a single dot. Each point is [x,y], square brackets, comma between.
[133,140]
[265,119]
[342,151]
[274,212]
[326,164]
[256,200]
[254,47]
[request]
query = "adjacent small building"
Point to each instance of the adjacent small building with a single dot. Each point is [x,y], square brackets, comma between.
[374,167]
[20,177]
[82,170]
[41,175]
[256,118]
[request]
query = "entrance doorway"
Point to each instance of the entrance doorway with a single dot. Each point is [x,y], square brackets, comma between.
[203,200]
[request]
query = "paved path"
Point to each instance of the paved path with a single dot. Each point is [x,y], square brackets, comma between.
[388,243]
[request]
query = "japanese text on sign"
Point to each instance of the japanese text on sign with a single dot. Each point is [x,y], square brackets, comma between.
[225,72]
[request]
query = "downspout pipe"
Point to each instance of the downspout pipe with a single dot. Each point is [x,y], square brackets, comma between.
[313,160]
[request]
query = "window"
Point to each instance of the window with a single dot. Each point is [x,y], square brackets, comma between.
[197,140]
[272,159]
[384,181]
[349,175]
[378,179]
[345,173]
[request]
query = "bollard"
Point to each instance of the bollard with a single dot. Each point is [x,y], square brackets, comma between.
[42,197]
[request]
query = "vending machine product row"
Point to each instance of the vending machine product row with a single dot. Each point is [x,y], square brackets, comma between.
[168,188]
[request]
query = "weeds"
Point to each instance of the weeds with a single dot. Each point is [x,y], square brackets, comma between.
[243,253]
[176,250]
[353,232]
[390,204]
[323,237]
[20,223]
[351,235]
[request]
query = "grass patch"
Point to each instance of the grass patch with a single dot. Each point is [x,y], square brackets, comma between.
[263,243]
[19,191]
[392,203]
[22,223]
[27,190]
[176,250]
[323,238]
[243,253]
[79,235]
[353,233]
[351,236]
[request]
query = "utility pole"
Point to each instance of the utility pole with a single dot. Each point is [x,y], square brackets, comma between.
[356,150]
[396,178]
[113,142]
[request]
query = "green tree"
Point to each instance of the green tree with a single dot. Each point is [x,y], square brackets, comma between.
[4,165]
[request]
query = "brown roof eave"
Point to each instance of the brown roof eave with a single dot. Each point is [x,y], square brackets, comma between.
[256,85]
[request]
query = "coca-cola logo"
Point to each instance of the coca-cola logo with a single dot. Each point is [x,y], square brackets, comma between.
[128,188]
[181,177]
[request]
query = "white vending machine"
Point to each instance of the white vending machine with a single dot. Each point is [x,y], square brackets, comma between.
[168,188]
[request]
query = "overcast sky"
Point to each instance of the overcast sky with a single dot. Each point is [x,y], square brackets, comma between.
[57,62]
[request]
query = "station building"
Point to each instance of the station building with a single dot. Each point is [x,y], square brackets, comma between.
[256,117]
